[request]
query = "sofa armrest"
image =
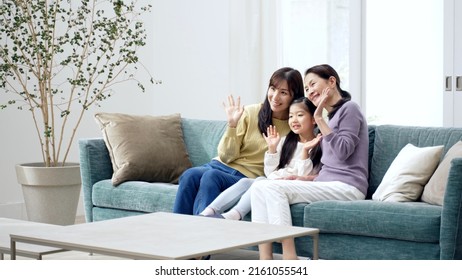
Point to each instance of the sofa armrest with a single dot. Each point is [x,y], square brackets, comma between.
[95,165]
[451,216]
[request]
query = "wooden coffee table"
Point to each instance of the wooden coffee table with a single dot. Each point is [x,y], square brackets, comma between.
[161,236]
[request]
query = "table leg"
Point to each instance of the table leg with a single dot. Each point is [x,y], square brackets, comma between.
[1,257]
[12,249]
[315,246]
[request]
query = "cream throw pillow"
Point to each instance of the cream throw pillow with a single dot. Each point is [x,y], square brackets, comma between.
[408,173]
[144,148]
[436,187]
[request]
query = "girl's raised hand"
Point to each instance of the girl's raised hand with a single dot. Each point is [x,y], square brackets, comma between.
[233,110]
[272,138]
[313,143]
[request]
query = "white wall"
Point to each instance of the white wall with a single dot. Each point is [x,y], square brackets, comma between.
[188,50]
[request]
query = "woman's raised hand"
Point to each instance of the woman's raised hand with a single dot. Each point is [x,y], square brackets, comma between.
[322,103]
[233,110]
[272,138]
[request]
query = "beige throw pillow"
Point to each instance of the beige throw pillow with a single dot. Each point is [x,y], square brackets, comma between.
[408,173]
[434,190]
[144,148]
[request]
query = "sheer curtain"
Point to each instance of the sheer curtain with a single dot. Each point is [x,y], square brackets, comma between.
[317,32]
[254,46]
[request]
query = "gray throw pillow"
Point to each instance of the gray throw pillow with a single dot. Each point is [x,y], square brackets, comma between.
[144,148]
[436,187]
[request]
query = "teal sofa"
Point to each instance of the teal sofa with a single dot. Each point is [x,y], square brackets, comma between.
[363,229]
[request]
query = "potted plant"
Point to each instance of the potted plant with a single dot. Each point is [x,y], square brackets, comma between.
[58,59]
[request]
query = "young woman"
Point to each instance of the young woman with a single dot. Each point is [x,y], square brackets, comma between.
[296,155]
[344,171]
[242,147]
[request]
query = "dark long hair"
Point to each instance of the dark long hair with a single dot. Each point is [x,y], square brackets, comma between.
[326,71]
[291,141]
[294,82]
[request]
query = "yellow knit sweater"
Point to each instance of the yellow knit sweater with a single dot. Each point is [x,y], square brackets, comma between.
[243,147]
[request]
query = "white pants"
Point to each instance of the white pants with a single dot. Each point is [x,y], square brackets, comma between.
[238,193]
[271,199]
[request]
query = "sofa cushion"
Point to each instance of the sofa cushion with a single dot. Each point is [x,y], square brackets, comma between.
[408,173]
[390,139]
[411,221]
[435,188]
[135,196]
[202,138]
[144,148]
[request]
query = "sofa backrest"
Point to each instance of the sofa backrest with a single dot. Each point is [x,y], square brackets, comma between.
[390,139]
[201,138]
[385,142]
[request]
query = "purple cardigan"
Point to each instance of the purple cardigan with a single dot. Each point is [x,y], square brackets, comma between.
[345,152]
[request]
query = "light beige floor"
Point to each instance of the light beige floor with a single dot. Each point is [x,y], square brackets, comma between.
[74,255]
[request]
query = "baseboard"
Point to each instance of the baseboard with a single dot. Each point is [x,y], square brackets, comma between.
[80,219]
[18,210]
[13,211]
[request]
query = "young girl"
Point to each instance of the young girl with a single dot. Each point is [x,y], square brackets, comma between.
[242,147]
[344,171]
[294,156]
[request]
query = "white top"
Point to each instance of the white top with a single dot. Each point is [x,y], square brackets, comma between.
[162,236]
[10,226]
[296,165]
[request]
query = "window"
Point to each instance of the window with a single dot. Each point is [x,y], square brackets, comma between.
[317,32]
[404,62]
[389,54]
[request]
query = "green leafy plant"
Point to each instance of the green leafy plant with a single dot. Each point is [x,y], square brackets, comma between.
[60,57]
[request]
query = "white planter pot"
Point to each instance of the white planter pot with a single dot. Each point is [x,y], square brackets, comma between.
[51,194]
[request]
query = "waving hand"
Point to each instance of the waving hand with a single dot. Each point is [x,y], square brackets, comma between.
[233,110]
[272,138]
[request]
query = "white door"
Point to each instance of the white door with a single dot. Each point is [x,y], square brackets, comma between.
[457,74]
[452,79]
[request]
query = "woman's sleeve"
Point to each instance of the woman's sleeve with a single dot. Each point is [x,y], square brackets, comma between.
[271,161]
[229,147]
[345,138]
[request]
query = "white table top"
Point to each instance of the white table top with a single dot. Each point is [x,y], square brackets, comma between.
[161,236]
[8,226]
